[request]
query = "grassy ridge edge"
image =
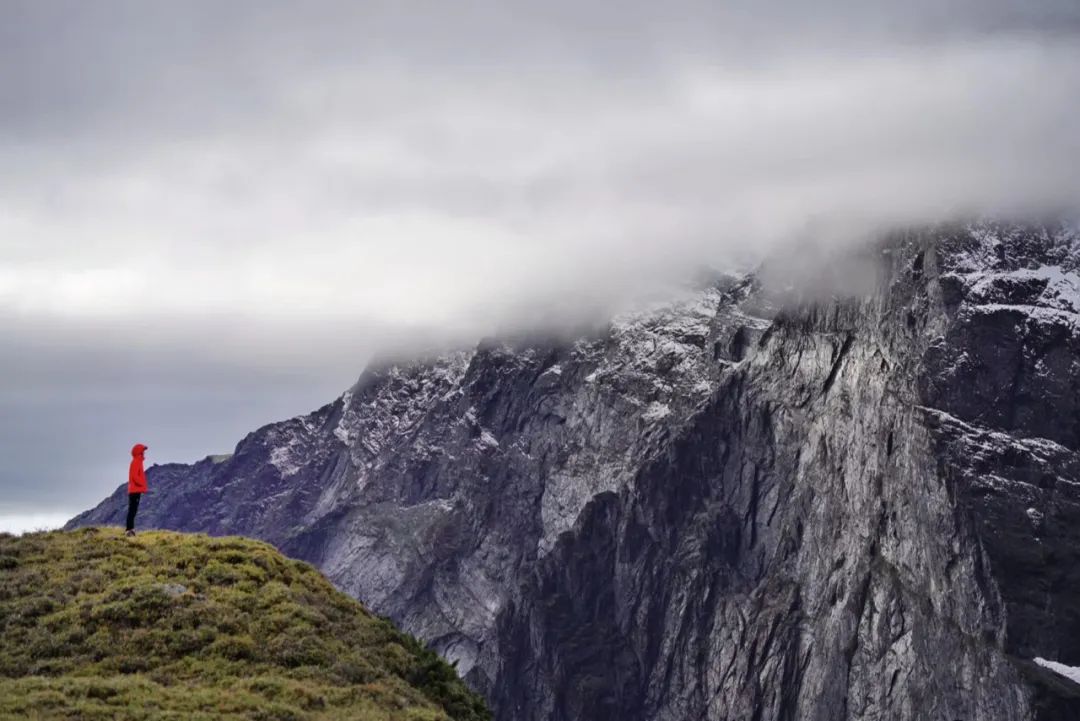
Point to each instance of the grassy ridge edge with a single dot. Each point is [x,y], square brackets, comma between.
[169,626]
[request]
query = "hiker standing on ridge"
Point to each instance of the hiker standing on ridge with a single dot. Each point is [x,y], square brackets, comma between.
[136,485]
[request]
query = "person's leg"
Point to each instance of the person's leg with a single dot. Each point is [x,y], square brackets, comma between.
[133,508]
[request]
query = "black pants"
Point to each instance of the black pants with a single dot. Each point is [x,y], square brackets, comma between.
[133,508]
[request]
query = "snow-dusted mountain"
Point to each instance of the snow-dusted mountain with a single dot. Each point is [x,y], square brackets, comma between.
[729,507]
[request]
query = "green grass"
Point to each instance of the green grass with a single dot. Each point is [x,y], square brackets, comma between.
[94,625]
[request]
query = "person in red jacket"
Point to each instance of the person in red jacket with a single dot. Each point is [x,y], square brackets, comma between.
[136,484]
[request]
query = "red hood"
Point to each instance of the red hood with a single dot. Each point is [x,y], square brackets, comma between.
[138,450]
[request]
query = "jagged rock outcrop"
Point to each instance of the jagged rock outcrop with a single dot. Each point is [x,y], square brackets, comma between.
[731,507]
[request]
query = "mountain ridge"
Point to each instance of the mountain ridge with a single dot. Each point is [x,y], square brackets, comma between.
[754,505]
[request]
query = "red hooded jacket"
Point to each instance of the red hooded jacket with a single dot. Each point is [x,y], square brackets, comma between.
[136,474]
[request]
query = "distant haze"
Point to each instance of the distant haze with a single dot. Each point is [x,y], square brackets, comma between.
[212,214]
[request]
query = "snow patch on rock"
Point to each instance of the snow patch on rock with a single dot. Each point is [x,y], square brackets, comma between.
[655,412]
[1070,672]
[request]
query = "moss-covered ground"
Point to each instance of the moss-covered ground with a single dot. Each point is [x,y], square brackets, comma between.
[94,625]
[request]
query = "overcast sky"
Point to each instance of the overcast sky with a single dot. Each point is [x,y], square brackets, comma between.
[212,214]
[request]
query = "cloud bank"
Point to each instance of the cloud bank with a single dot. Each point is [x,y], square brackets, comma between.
[205,197]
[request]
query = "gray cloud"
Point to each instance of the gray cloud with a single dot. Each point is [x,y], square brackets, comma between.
[211,214]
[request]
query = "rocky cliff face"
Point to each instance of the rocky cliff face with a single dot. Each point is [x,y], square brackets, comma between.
[726,508]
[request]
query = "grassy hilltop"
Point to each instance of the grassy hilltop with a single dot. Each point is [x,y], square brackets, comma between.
[175,626]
